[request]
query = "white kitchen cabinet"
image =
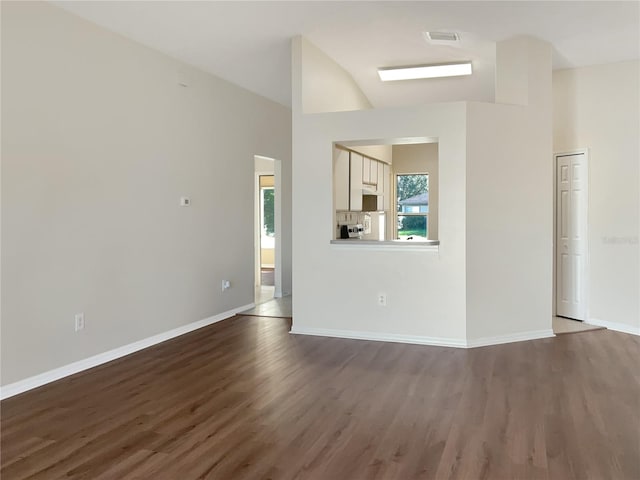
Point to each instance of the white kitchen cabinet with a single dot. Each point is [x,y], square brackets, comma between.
[381,179]
[355,191]
[366,170]
[354,173]
[373,176]
[341,180]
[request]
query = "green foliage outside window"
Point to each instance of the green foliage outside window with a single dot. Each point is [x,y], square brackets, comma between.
[412,185]
[409,186]
[268,215]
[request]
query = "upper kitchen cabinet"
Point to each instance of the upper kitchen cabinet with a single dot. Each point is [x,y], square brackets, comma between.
[370,173]
[381,188]
[355,190]
[366,170]
[380,180]
[360,183]
[341,179]
[373,172]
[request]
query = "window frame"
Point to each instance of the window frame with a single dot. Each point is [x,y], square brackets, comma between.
[395,203]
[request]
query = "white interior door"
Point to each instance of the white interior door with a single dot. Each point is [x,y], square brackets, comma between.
[571,234]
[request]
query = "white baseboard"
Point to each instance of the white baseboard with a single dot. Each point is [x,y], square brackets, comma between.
[379,337]
[435,341]
[510,338]
[76,367]
[618,327]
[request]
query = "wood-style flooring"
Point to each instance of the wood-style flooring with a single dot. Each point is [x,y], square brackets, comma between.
[244,399]
[275,307]
[562,326]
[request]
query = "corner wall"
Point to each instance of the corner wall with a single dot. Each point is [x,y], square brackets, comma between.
[99,141]
[599,108]
[327,87]
[510,200]
[490,280]
[336,287]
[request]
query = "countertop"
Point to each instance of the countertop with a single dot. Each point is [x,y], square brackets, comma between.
[389,245]
[343,241]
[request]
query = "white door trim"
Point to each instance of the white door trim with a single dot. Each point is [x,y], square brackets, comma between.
[586,272]
[277,171]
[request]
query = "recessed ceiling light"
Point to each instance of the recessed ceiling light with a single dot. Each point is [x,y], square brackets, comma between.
[425,71]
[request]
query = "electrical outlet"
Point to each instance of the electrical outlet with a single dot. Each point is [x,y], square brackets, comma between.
[382,299]
[79,321]
[226,284]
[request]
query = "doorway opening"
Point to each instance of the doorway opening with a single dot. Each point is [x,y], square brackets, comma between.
[267,233]
[571,248]
[267,221]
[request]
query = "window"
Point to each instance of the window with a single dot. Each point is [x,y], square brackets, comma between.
[412,206]
[267,219]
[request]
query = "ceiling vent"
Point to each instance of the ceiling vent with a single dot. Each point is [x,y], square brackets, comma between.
[443,38]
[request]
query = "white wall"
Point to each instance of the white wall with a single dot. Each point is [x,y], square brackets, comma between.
[421,158]
[336,289]
[599,108]
[509,198]
[99,142]
[490,280]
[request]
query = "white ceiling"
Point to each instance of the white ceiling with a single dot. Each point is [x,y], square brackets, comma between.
[247,43]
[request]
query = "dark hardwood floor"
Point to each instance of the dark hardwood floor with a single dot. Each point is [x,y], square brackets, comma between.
[243,399]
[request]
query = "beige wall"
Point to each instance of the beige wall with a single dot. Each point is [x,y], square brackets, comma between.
[267,257]
[420,158]
[599,108]
[99,141]
[327,87]
[266,181]
[379,152]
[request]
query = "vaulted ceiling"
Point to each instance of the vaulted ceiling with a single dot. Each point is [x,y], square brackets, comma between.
[247,43]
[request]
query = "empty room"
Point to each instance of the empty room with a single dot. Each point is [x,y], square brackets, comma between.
[320,240]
